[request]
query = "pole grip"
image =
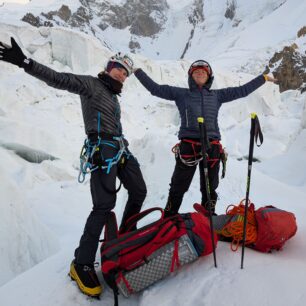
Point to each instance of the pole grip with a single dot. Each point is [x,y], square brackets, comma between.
[200,120]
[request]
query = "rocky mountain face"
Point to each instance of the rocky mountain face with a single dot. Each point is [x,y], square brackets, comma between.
[142,20]
[145,18]
[195,17]
[289,66]
[62,17]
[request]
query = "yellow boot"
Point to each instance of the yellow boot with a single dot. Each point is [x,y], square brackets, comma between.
[86,278]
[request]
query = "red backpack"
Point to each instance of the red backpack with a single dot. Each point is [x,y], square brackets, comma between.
[274,228]
[268,228]
[132,261]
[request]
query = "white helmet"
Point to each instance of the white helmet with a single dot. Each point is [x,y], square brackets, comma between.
[123,60]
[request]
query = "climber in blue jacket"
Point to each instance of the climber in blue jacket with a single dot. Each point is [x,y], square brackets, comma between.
[197,101]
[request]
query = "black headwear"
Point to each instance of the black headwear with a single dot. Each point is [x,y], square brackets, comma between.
[113,85]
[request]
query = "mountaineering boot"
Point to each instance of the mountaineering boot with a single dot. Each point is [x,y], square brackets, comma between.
[170,209]
[86,278]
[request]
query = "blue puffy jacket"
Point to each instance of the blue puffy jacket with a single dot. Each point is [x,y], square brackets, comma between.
[194,102]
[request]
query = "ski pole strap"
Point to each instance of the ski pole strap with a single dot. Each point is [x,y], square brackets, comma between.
[223,157]
[257,130]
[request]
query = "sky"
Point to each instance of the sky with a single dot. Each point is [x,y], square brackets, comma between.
[15,1]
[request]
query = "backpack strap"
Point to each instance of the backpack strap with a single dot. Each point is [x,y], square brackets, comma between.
[111,227]
[110,233]
[132,221]
[114,288]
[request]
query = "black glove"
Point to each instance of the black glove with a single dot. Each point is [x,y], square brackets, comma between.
[13,55]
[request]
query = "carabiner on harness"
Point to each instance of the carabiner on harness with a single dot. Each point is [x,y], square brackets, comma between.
[86,155]
[188,160]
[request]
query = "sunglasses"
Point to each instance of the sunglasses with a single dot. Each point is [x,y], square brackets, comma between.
[199,64]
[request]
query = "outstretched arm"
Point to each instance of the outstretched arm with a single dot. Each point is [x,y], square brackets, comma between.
[13,54]
[67,81]
[78,84]
[233,93]
[162,91]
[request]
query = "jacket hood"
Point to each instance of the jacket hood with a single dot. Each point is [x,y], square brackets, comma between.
[192,84]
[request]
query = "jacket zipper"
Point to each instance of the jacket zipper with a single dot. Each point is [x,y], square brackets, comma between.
[186,114]
[202,103]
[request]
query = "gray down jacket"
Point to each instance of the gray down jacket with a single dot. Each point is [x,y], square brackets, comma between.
[94,94]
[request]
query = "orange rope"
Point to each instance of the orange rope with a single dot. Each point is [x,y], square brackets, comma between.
[234,229]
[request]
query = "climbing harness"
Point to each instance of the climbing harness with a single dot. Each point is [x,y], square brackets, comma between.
[192,160]
[188,159]
[88,150]
[87,164]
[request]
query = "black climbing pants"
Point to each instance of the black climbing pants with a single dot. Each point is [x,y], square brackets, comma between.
[183,175]
[103,192]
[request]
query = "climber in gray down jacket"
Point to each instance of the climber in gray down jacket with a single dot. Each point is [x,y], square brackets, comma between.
[101,114]
[197,101]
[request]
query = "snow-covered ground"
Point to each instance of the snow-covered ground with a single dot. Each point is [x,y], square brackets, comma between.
[44,208]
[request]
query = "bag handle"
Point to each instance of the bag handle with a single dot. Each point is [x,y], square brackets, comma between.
[200,209]
[135,218]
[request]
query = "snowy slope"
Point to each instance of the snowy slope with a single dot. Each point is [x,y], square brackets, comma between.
[43,208]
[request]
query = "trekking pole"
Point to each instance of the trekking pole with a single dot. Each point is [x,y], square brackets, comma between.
[203,139]
[254,134]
